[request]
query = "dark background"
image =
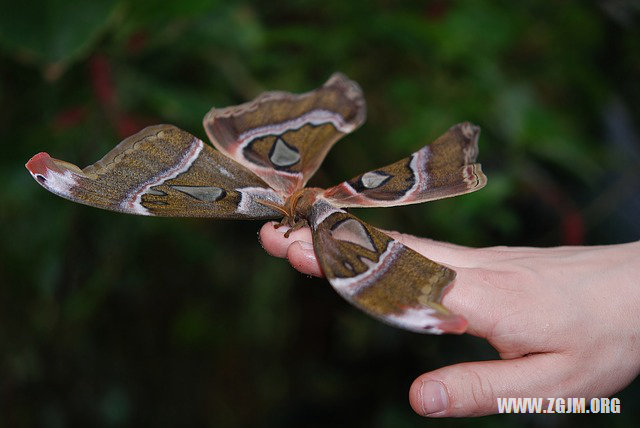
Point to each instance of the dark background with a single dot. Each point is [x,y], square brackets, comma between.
[116,320]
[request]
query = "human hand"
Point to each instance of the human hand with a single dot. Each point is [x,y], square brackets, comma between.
[565,320]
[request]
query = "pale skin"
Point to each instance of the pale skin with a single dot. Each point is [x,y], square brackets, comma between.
[565,320]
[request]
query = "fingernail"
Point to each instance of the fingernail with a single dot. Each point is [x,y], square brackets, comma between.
[306,245]
[434,397]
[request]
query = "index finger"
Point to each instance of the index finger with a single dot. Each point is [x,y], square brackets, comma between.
[468,295]
[298,247]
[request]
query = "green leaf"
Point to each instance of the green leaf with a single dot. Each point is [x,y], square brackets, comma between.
[54,33]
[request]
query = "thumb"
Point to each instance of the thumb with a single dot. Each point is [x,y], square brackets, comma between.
[472,389]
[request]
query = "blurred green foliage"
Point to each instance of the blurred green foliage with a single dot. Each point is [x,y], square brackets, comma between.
[115,320]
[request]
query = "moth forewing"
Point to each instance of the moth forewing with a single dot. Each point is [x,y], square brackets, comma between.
[284,137]
[162,171]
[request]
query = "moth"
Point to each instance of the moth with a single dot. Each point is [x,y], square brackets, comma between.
[267,149]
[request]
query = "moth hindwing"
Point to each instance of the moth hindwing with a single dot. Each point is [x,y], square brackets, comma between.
[380,275]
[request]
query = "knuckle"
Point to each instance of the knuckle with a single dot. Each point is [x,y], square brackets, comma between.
[478,394]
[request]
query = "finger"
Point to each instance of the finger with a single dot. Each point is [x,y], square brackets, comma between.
[274,242]
[479,292]
[478,301]
[303,258]
[472,389]
[440,252]
[471,295]
[460,256]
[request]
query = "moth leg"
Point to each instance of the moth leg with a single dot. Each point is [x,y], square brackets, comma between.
[297,225]
[283,222]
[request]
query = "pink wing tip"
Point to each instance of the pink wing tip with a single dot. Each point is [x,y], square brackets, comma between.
[455,324]
[37,165]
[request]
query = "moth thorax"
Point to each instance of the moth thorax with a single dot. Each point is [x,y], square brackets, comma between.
[299,204]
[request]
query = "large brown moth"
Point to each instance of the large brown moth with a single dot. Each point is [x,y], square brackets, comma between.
[267,150]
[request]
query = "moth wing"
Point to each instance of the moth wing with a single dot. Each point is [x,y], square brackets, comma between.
[447,167]
[380,275]
[284,137]
[162,171]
